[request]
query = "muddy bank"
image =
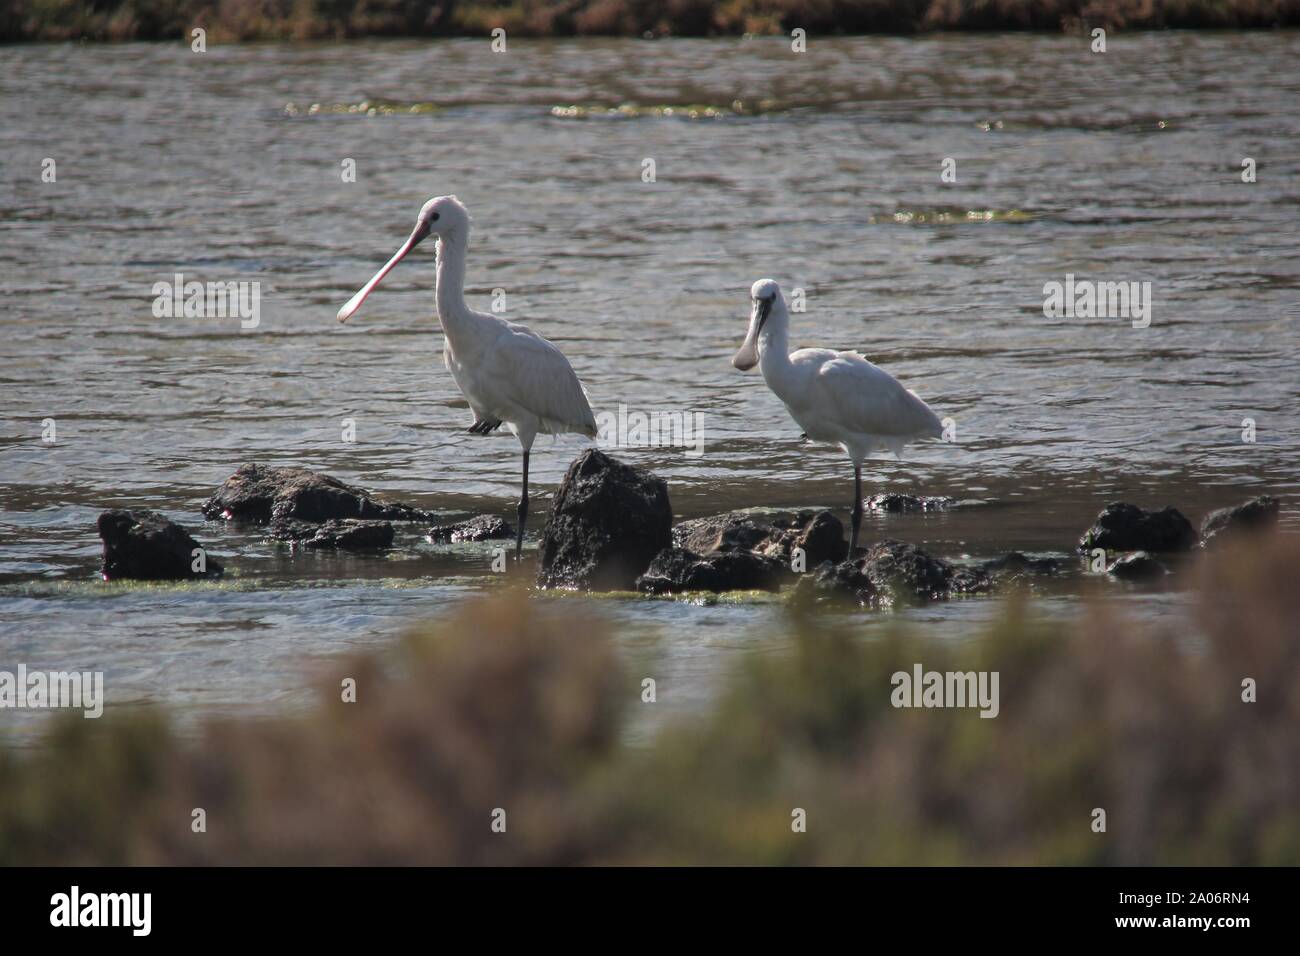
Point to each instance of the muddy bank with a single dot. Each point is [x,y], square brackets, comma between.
[236,20]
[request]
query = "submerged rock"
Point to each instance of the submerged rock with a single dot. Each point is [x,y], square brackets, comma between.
[843,582]
[339,534]
[675,570]
[906,571]
[607,524]
[894,502]
[1137,566]
[146,546]
[257,493]
[895,571]
[479,528]
[1125,527]
[1259,515]
[819,533]
[1016,565]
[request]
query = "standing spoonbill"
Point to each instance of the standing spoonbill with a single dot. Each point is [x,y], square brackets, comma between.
[836,397]
[507,372]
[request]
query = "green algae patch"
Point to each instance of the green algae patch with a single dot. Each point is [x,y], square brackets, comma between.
[370,107]
[691,111]
[945,217]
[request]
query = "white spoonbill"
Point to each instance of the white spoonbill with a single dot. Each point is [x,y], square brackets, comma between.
[507,372]
[836,397]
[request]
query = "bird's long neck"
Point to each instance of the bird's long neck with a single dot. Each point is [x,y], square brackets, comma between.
[454,314]
[774,343]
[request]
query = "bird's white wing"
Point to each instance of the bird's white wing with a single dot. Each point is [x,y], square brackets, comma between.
[537,377]
[869,400]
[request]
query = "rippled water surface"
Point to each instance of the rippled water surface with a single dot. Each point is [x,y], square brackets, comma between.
[821,170]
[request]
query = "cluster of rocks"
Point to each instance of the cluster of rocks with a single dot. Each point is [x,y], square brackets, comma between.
[1129,538]
[741,551]
[895,572]
[296,506]
[611,528]
[261,494]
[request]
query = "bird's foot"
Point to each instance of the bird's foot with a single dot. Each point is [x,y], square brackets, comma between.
[483,427]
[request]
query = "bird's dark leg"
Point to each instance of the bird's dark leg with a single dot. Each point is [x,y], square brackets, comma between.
[523,512]
[857,509]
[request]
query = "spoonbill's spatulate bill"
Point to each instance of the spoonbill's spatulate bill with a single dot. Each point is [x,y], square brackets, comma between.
[836,397]
[508,373]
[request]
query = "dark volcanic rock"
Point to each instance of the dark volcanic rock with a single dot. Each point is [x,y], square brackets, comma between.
[1125,527]
[675,570]
[351,534]
[256,493]
[906,568]
[1138,566]
[893,570]
[894,502]
[908,572]
[608,522]
[340,534]
[843,582]
[820,534]
[479,528]
[1253,517]
[734,531]
[1015,565]
[146,546]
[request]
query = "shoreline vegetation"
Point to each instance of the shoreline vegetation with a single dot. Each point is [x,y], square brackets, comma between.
[515,710]
[229,21]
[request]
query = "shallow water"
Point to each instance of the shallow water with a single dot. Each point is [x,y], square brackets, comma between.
[821,170]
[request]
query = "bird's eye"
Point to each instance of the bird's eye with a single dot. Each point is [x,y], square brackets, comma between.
[434,217]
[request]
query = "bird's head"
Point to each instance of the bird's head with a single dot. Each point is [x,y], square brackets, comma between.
[440,216]
[765,295]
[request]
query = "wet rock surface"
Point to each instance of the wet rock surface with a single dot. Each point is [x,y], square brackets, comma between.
[1257,516]
[908,572]
[1125,527]
[819,533]
[675,570]
[608,522]
[338,534]
[258,493]
[893,571]
[480,528]
[1016,565]
[1137,566]
[144,545]
[843,583]
[896,503]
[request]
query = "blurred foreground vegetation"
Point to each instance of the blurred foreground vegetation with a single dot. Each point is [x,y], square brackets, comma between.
[232,20]
[521,705]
